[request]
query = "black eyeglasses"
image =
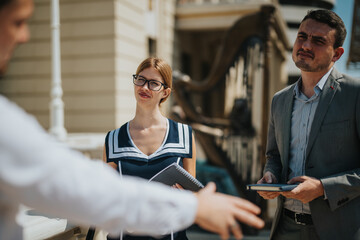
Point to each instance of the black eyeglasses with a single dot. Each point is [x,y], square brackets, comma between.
[153,85]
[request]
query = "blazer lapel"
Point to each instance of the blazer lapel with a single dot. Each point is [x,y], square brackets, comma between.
[286,125]
[326,97]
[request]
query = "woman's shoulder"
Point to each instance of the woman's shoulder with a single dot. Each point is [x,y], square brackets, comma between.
[179,132]
[118,131]
[175,125]
[123,127]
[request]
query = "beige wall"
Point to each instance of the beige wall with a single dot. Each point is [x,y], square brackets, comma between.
[102,42]
[87,50]
[131,41]
[131,47]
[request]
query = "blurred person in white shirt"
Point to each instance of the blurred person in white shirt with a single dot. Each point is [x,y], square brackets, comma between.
[41,173]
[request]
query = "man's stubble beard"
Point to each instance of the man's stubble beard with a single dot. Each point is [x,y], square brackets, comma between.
[303,66]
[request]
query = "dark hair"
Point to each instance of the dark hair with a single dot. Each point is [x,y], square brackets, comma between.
[332,20]
[3,3]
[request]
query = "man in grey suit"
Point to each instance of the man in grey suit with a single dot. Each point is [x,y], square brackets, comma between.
[314,139]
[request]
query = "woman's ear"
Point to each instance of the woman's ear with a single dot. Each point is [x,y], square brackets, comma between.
[166,94]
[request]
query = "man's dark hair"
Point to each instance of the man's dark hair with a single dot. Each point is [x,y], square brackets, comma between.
[332,20]
[3,3]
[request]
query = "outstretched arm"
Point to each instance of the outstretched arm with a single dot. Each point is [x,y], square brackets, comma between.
[44,174]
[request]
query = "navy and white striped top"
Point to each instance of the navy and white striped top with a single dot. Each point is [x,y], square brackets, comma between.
[121,150]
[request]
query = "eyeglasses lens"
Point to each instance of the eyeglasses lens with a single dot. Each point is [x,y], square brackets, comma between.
[139,81]
[152,85]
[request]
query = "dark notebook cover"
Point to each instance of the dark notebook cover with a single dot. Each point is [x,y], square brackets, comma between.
[271,187]
[174,173]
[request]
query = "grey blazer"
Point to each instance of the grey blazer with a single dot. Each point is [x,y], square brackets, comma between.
[332,155]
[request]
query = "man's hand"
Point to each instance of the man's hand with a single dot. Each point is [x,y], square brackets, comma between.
[308,189]
[268,178]
[219,213]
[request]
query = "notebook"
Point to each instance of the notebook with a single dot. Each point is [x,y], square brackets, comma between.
[174,173]
[271,187]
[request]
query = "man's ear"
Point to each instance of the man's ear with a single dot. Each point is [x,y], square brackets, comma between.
[338,53]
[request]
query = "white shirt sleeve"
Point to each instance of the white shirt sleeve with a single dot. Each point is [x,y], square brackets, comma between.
[41,173]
